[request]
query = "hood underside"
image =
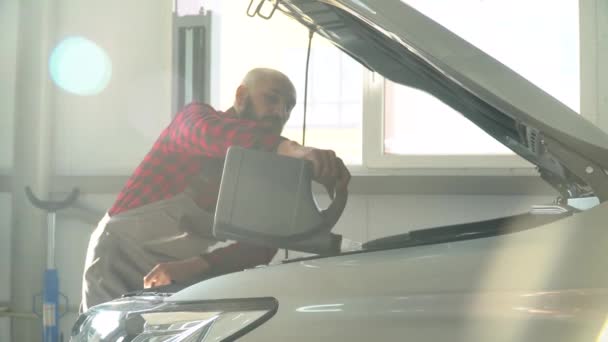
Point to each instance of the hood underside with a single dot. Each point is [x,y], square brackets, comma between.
[406,47]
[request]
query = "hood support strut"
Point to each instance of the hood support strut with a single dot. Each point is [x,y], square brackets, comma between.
[593,174]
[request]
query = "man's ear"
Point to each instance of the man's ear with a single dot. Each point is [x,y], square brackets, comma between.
[241,96]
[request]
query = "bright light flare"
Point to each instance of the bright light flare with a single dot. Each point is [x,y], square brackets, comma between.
[79,66]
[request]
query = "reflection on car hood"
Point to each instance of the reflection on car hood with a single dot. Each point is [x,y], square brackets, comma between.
[395,40]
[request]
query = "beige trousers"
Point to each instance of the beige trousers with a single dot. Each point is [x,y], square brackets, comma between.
[125,247]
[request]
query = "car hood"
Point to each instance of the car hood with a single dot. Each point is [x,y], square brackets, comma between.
[403,45]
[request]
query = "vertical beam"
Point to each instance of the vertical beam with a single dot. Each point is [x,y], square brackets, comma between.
[9,10]
[32,158]
[373,129]
[9,21]
[594,61]
[191,59]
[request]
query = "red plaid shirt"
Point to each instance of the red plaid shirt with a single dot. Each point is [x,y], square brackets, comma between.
[194,144]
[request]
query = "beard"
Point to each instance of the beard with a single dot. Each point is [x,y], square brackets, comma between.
[249,113]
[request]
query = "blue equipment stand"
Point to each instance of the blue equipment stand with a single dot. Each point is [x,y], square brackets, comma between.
[50,303]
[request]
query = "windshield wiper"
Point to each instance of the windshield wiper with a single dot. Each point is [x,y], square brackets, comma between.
[466,231]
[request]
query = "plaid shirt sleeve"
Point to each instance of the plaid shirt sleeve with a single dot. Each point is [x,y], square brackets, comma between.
[200,130]
[237,257]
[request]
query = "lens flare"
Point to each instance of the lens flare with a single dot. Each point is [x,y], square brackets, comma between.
[79,66]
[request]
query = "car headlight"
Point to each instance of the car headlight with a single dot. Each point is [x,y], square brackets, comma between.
[128,320]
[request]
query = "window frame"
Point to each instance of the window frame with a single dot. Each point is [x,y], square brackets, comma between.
[374,158]
[373,145]
[374,161]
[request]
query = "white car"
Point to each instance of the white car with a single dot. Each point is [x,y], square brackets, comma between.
[538,276]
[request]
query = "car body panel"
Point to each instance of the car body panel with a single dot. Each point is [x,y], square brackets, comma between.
[541,284]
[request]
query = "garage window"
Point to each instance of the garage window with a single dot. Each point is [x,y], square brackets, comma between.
[537,39]
[335,96]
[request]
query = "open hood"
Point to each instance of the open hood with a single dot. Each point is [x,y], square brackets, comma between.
[403,45]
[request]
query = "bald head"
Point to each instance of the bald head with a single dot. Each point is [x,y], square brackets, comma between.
[265,94]
[260,75]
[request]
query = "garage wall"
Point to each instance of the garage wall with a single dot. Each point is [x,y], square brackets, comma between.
[99,134]
[8,47]
[117,126]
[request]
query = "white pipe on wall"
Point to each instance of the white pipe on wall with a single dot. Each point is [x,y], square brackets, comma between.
[33,147]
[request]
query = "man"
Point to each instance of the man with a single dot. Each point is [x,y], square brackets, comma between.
[159,229]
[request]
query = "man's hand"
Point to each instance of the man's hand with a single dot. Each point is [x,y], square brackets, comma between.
[176,271]
[328,169]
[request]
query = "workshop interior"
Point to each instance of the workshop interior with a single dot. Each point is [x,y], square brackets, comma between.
[303,170]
